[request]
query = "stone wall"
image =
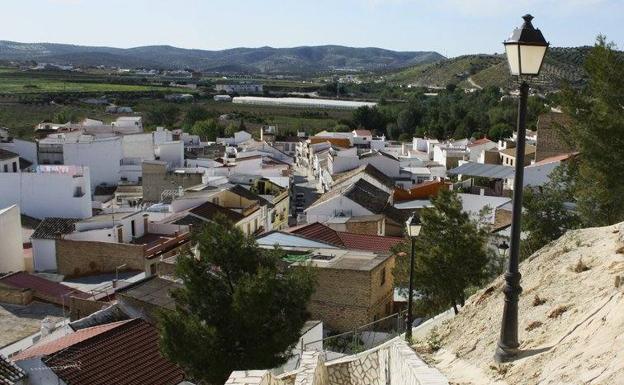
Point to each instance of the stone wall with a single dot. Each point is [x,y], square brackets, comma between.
[80,307]
[15,296]
[550,141]
[363,227]
[391,363]
[341,299]
[312,370]
[77,258]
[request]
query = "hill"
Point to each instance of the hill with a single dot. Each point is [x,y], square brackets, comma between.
[570,317]
[298,60]
[469,71]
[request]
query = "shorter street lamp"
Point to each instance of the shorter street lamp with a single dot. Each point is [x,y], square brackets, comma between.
[412,227]
[525,48]
[502,252]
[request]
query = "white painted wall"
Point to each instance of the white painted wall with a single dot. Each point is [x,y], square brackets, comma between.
[102,156]
[44,254]
[48,194]
[24,148]
[10,165]
[11,250]
[538,175]
[138,146]
[172,153]
[326,210]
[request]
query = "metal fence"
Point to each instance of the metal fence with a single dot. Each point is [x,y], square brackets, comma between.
[362,338]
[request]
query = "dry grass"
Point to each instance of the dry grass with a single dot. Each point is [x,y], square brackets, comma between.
[558,311]
[537,301]
[533,325]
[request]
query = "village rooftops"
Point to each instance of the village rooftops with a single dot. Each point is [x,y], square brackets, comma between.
[347,240]
[53,228]
[479,142]
[5,154]
[367,169]
[528,150]
[126,354]
[10,374]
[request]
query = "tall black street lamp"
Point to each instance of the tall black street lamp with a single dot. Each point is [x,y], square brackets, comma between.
[525,50]
[412,227]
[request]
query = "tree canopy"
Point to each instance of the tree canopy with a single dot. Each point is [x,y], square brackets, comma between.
[237,309]
[597,130]
[450,254]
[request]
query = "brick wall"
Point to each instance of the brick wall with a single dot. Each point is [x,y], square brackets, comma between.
[77,258]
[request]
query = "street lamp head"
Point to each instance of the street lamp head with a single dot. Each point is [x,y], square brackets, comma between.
[413,225]
[503,247]
[525,49]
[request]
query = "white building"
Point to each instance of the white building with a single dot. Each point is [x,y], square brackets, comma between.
[11,250]
[48,191]
[9,161]
[242,88]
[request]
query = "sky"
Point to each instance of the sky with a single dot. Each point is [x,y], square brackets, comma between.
[450,27]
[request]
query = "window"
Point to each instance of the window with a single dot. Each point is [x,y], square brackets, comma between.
[132,228]
[14,166]
[6,168]
[382,281]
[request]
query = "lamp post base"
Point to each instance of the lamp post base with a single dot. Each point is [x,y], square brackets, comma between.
[505,354]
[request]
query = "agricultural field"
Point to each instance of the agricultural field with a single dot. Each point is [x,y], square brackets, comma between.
[13,81]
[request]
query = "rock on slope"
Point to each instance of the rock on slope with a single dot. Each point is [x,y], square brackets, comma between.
[571,318]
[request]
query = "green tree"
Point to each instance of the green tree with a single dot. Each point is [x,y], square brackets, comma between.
[163,115]
[597,130]
[193,115]
[231,129]
[369,118]
[545,216]
[450,254]
[236,309]
[207,129]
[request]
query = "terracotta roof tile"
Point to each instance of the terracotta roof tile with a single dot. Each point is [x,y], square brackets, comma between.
[10,373]
[52,227]
[47,348]
[375,243]
[125,355]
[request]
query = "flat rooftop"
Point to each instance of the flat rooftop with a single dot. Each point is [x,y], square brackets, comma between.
[18,322]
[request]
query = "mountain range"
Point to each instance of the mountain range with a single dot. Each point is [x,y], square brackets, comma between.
[267,60]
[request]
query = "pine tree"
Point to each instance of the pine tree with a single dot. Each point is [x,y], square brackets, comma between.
[237,309]
[450,254]
[598,131]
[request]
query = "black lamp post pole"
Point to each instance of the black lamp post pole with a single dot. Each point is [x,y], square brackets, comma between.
[508,343]
[408,330]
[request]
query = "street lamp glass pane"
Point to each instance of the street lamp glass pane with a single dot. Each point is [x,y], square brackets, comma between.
[512,58]
[531,57]
[414,230]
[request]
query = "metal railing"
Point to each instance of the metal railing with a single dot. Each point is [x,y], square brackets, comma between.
[361,338]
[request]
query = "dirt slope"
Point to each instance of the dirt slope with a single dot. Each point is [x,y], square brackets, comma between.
[571,319]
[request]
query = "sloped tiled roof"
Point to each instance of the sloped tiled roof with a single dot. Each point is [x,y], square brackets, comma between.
[153,290]
[6,154]
[528,150]
[10,373]
[125,355]
[208,211]
[368,196]
[320,232]
[479,142]
[367,169]
[47,348]
[50,289]
[51,228]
